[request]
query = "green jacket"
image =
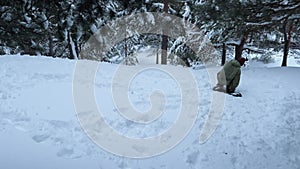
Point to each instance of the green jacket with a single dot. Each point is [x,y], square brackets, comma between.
[230,74]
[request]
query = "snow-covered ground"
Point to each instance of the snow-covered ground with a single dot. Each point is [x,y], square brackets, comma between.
[39,128]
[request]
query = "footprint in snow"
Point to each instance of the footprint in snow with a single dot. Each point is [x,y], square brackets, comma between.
[192,158]
[40,138]
[67,153]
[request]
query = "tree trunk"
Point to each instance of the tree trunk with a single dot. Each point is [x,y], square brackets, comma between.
[51,46]
[164,48]
[72,56]
[125,48]
[157,57]
[287,41]
[223,54]
[164,43]
[239,48]
[77,49]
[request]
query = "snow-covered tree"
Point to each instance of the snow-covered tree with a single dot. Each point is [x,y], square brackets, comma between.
[239,23]
[61,28]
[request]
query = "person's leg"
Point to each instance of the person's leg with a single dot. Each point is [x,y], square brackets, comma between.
[230,89]
[220,86]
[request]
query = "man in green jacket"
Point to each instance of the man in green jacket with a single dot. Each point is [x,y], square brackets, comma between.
[230,75]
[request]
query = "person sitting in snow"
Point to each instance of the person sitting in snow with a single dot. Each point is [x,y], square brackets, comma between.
[229,76]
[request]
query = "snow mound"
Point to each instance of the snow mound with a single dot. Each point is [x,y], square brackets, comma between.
[39,127]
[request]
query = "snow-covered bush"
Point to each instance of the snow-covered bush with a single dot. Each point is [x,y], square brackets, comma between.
[130,60]
[267,57]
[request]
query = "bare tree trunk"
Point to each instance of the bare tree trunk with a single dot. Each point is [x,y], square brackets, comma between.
[157,56]
[126,48]
[223,54]
[239,48]
[51,45]
[72,56]
[287,41]
[164,48]
[77,48]
[164,44]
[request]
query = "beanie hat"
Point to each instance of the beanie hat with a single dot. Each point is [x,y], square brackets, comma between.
[242,60]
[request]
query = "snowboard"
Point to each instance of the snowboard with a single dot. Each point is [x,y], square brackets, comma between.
[219,89]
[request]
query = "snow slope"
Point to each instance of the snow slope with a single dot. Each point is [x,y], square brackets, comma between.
[39,128]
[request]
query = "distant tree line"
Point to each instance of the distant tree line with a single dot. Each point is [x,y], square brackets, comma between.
[60,28]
